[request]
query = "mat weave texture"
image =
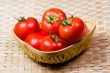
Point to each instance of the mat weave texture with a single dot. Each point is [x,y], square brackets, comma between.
[96,59]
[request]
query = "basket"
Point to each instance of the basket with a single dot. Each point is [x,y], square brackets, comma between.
[62,55]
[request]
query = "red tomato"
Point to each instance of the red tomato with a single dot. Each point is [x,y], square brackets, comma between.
[58,13]
[49,44]
[72,30]
[25,27]
[51,19]
[34,39]
[50,27]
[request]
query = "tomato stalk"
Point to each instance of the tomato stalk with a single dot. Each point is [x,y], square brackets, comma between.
[21,18]
[51,19]
[54,37]
[66,22]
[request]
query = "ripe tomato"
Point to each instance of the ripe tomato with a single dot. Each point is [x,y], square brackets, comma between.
[34,39]
[25,27]
[52,44]
[58,13]
[50,20]
[48,27]
[72,29]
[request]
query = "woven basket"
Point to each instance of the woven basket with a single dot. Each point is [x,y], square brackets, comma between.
[62,55]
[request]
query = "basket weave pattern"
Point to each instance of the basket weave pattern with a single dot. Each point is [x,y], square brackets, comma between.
[63,55]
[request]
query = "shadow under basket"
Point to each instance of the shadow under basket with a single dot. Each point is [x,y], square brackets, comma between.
[62,55]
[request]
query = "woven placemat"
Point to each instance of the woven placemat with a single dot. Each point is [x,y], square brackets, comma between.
[96,59]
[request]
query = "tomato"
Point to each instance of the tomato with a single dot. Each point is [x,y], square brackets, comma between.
[73,29]
[25,27]
[51,19]
[57,13]
[34,39]
[52,44]
[50,27]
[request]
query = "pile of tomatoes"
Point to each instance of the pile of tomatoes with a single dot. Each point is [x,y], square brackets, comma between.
[56,31]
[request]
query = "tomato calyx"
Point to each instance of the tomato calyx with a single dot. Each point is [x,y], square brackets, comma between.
[54,37]
[22,18]
[66,22]
[51,19]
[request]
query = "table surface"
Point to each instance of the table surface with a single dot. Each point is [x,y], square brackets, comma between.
[96,59]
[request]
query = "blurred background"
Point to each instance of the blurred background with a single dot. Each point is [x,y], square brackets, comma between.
[96,59]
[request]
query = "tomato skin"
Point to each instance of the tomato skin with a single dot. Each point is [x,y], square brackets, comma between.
[58,16]
[25,27]
[49,27]
[74,31]
[49,45]
[54,12]
[34,39]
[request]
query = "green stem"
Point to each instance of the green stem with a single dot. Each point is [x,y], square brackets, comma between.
[66,22]
[51,19]
[54,37]
[22,18]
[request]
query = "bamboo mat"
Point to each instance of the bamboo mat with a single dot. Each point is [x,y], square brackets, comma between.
[96,59]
